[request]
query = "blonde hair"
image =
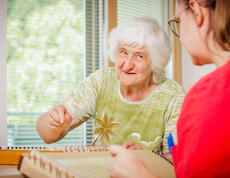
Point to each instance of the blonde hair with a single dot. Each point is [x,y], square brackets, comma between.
[222,23]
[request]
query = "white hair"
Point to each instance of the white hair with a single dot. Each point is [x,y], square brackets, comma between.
[143,32]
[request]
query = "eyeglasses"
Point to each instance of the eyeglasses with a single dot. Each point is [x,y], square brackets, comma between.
[174,22]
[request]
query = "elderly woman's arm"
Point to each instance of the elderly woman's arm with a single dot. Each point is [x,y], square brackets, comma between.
[55,124]
[75,109]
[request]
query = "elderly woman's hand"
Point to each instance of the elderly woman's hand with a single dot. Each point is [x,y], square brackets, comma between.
[55,124]
[131,145]
[59,118]
[126,164]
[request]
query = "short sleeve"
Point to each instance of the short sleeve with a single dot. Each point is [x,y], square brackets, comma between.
[82,101]
[170,119]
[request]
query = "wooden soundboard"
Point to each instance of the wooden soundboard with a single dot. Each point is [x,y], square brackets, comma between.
[11,155]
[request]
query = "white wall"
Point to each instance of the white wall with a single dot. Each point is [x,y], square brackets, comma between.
[191,73]
[3,112]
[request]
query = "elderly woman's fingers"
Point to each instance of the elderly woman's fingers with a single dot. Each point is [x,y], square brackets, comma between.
[54,115]
[54,123]
[61,110]
[128,144]
[59,116]
[131,145]
[138,146]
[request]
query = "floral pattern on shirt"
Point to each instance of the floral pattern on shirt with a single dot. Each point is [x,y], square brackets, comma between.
[104,128]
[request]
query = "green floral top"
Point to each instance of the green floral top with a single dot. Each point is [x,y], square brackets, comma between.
[117,120]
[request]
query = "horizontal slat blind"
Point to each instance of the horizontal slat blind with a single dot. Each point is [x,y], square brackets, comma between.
[158,9]
[46,60]
[127,9]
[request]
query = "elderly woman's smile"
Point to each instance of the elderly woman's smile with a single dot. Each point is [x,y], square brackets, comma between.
[128,72]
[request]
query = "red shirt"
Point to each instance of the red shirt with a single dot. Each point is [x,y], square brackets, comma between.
[203,128]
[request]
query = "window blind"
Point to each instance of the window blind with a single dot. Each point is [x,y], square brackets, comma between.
[128,9]
[48,47]
[160,10]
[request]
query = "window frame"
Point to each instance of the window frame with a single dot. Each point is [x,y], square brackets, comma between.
[176,52]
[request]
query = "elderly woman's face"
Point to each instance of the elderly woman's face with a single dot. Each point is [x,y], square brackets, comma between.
[134,65]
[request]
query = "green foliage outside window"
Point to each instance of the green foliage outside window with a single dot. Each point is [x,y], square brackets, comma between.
[45,60]
[45,53]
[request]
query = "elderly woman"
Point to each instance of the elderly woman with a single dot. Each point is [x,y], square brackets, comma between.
[133,104]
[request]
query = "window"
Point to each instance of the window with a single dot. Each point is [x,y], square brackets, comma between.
[51,47]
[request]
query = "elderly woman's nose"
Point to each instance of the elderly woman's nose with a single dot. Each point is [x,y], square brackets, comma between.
[129,62]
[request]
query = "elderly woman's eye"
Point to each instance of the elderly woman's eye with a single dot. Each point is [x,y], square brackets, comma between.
[139,56]
[123,52]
